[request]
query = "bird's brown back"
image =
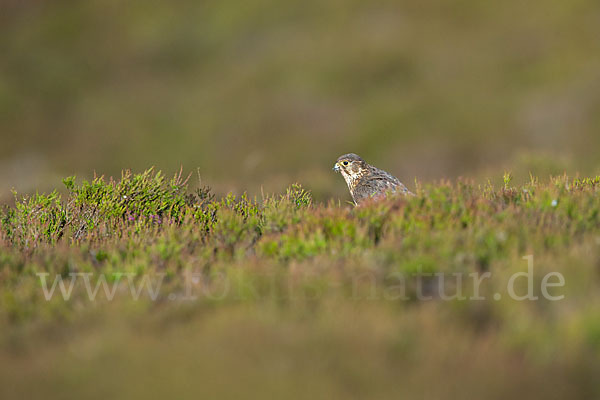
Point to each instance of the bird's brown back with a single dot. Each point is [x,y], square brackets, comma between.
[376,182]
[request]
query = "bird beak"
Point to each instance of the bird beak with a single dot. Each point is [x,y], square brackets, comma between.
[336,168]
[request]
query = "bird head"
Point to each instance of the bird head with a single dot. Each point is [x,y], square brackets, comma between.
[350,166]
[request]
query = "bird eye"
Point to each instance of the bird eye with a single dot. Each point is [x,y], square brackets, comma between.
[345,163]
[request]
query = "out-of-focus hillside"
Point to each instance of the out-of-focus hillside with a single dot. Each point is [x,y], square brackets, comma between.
[266,92]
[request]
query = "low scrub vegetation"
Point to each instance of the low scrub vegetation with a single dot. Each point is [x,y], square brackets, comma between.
[256,297]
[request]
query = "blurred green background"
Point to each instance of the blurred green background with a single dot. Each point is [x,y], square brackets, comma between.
[258,94]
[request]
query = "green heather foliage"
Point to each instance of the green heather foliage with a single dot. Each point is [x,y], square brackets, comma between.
[308,287]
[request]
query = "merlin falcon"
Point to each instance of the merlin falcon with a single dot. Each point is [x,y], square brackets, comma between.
[366,181]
